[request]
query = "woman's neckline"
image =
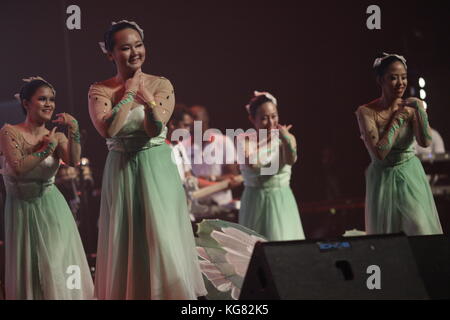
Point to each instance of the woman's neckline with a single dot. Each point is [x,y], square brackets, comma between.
[20,131]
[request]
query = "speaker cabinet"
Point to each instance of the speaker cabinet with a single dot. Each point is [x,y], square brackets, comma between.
[369,267]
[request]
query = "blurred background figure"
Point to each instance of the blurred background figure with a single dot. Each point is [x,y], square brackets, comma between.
[182,120]
[219,171]
[436,147]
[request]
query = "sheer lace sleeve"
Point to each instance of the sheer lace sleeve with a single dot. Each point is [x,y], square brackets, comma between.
[160,110]
[11,145]
[68,150]
[165,101]
[99,107]
[421,126]
[289,148]
[108,120]
[378,145]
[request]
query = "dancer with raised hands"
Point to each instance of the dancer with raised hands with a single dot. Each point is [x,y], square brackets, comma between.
[268,205]
[44,255]
[268,211]
[398,195]
[146,245]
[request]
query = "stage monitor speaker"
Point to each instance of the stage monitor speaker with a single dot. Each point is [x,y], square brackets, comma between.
[432,254]
[369,267]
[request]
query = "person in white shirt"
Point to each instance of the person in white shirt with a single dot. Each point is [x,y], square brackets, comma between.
[181,119]
[216,171]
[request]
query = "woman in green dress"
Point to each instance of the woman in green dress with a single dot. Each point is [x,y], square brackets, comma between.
[146,246]
[44,255]
[398,195]
[268,205]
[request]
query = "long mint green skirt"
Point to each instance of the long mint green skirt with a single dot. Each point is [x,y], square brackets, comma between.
[146,246]
[44,254]
[271,212]
[399,198]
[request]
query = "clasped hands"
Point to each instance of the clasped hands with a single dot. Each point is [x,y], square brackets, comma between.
[136,85]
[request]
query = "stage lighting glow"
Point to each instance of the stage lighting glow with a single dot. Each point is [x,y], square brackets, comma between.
[423,94]
[425,105]
[422,82]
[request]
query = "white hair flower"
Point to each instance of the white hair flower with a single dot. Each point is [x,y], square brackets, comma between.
[264,93]
[378,61]
[29,79]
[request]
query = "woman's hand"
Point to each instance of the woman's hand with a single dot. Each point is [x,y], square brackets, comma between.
[66,119]
[412,102]
[284,131]
[403,112]
[289,143]
[132,84]
[146,97]
[50,140]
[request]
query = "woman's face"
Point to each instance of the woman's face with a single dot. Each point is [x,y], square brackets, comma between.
[41,105]
[129,50]
[266,117]
[394,81]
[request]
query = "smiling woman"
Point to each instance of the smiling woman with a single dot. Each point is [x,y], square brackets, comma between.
[146,244]
[42,240]
[268,205]
[398,195]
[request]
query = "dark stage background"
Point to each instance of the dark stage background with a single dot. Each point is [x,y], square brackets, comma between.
[314,56]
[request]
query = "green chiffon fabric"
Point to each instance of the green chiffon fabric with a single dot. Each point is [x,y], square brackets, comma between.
[146,246]
[268,205]
[398,195]
[44,254]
